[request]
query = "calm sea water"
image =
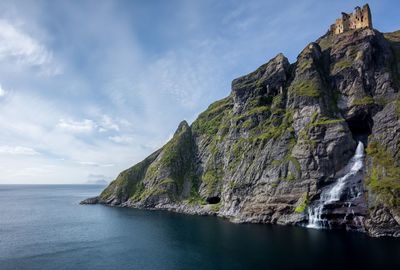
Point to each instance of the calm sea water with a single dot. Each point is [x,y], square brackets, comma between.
[44,227]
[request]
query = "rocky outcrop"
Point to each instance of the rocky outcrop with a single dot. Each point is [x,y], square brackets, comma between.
[285,133]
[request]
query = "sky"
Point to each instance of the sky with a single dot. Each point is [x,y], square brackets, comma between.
[89,88]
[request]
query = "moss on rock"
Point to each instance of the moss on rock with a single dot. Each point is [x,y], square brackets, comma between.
[305,88]
[383,178]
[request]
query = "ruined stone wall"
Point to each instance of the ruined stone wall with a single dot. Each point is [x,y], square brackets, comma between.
[361,18]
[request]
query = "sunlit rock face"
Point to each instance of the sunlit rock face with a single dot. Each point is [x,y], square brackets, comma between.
[285,135]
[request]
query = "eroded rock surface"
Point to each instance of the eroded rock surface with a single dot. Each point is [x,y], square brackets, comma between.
[265,153]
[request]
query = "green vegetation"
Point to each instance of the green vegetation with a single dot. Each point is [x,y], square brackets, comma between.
[127,181]
[233,184]
[142,193]
[213,170]
[275,127]
[277,103]
[303,65]
[180,144]
[305,88]
[290,176]
[138,192]
[289,159]
[312,143]
[295,163]
[216,207]
[212,177]
[382,101]
[327,121]
[275,184]
[152,171]
[150,192]
[303,204]
[326,42]
[177,157]
[166,182]
[363,101]
[259,85]
[315,121]
[237,149]
[354,53]
[247,124]
[257,110]
[252,112]
[210,120]
[196,199]
[384,176]
[108,191]
[343,64]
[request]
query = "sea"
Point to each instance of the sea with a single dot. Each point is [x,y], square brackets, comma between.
[44,227]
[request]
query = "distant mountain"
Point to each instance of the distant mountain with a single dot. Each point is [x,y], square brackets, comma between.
[281,148]
[97,182]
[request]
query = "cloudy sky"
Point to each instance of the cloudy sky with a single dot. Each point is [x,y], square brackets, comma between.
[88,88]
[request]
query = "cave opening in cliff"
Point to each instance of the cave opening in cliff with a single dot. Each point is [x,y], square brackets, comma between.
[213,200]
[361,127]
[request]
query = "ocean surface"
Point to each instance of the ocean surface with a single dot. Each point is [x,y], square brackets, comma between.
[44,227]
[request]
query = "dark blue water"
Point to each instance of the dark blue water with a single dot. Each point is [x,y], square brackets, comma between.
[44,227]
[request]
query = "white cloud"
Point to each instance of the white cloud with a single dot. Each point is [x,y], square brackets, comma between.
[18,150]
[19,46]
[88,163]
[2,91]
[95,164]
[121,139]
[107,123]
[84,126]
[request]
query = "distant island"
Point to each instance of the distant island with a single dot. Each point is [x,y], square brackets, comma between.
[97,182]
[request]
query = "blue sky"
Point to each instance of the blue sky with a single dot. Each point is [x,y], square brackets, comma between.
[88,88]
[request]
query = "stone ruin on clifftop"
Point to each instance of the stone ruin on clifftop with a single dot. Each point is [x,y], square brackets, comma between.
[360,18]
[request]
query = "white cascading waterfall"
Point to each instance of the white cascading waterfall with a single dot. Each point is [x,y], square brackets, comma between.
[333,193]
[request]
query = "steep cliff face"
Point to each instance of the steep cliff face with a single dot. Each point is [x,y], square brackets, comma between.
[284,135]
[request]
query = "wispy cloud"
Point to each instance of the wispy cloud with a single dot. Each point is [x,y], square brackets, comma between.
[3,92]
[21,48]
[84,126]
[120,89]
[107,123]
[18,150]
[121,139]
[104,124]
[95,164]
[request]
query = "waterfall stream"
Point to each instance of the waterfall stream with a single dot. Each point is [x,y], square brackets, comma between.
[334,192]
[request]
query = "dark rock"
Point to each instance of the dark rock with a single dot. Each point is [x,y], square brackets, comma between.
[286,132]
[93,200]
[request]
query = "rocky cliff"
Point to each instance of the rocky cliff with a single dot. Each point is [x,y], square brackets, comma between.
[286,133]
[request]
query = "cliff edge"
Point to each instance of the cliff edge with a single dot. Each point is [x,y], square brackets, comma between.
[284,138]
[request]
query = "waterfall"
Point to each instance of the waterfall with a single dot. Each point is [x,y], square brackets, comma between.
[333,193]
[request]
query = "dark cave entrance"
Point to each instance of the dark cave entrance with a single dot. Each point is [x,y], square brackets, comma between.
[213,200]
[361,127]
